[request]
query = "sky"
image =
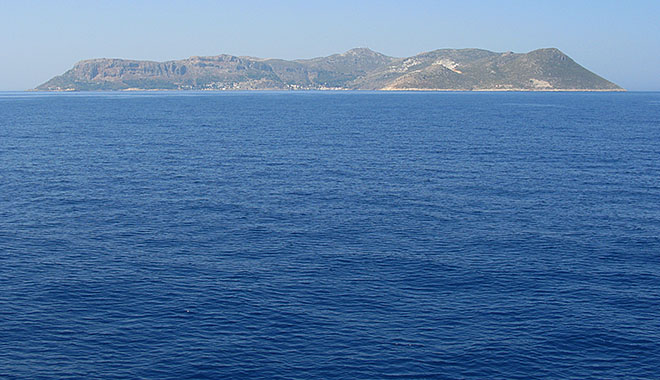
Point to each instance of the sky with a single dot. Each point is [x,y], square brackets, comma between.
[619,40]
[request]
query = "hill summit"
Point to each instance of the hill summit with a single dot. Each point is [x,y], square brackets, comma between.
[357,69]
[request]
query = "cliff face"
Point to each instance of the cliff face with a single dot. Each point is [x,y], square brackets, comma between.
[360,69]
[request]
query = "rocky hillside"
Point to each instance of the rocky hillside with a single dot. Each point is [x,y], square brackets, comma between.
[356,69]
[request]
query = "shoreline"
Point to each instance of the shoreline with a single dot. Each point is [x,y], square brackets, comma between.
[341,89]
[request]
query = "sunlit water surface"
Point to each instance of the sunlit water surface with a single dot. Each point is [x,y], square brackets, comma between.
[330,235]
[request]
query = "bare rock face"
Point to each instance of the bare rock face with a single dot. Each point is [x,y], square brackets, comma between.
[356,69]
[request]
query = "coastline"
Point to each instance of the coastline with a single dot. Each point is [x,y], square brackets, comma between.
[346,89]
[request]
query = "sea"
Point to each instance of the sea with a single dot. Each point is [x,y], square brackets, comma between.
[329,235]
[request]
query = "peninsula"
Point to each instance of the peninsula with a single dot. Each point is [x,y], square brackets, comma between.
[357,69]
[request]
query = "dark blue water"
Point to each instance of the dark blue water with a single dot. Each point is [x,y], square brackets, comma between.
[330,235]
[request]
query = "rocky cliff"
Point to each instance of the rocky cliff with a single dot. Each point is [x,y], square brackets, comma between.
[356,69]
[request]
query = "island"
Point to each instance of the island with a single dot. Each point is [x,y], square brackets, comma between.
[357,69]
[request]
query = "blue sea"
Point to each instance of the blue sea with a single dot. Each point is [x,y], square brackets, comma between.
[329,235]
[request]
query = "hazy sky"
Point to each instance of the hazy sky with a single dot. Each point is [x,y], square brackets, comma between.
[619,40]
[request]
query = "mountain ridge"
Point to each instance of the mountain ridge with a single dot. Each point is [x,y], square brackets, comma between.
[469,69]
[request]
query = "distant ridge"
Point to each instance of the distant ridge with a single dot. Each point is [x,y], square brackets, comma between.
[357,69]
